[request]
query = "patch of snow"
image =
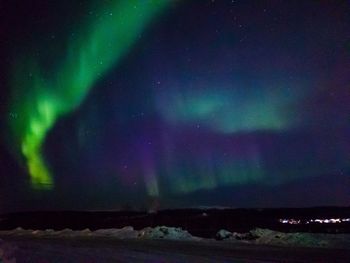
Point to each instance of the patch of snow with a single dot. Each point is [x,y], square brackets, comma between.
[164,232]
[271,237]
[266,236]
[227,235]
[122,233]
[223,234]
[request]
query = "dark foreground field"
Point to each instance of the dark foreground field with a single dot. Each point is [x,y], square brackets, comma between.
[99,250]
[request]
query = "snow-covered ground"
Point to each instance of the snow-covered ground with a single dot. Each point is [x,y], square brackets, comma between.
[270,237]
[159,232]
[169,244]
[256,236]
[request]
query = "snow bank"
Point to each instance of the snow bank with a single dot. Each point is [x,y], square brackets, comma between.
[127,232]
[227,235]
[159,232]
[266,236]
[256,236]
[224,234]
[164,232]
[270,237]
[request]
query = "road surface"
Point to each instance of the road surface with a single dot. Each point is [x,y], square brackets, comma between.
[100,250]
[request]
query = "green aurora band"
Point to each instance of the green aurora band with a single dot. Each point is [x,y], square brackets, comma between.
[231,112]
[39,100]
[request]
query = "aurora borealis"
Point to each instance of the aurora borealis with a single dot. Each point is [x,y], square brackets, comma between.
[86,59]
[185,102]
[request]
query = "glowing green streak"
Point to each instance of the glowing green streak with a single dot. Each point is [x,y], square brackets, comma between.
[230,173]
[39,101]
[229,111]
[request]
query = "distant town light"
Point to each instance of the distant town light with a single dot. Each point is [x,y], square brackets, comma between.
[293,221]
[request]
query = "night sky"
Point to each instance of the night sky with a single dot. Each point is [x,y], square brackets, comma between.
[147,104]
